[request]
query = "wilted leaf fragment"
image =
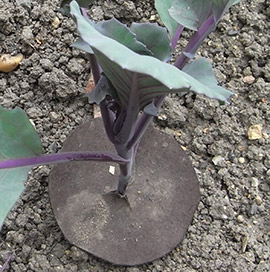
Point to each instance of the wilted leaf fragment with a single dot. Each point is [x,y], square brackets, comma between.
[8,63]
[255,132]
[17,139]
[99,92]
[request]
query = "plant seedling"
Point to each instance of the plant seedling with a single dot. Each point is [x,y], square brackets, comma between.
[132,77]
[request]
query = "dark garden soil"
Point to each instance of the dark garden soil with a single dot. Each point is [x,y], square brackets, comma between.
[231,227]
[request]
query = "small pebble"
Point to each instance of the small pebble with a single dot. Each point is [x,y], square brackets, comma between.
[254,209]
[244,243]
[55,22]
[254,182]
[232,32]
[241,160]
[240,218]
[112,169]
[258,200]
[54,116]
[162,117]
[217,159]
[249,79]
[152,17]
[255,132]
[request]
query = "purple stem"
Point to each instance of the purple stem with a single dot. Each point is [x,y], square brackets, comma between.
[176,36]
[128,125]
[84,13]
[181,61]
[125,173]
[124,135]
[63,157]
[4,266]
[107,115]
[108,120]
[96,71]
[143,123]
[194,42]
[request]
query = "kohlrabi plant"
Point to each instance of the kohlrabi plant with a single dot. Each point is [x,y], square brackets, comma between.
[132,74]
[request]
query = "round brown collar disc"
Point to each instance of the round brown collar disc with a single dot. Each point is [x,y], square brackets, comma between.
[161,198]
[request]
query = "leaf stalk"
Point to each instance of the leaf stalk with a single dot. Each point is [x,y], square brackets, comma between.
[194,42]
[63,157]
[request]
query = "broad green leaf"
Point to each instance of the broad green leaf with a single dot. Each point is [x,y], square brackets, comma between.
[151,109]
[117,31]
[11,187]
[190,13]
[82,3]
[17,139]
[154,37]
[65,5]
[120,32]
[222,6]
[202,70]
[162,7]
[193,13]
[99,92]
[154,77]
[82,45]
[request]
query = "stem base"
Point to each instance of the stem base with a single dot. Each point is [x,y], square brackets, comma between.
[144,226]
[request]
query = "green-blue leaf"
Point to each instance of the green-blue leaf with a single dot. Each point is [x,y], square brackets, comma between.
[82,45]
[154,77]
[162,7]
[82,3]
[18,138]
[114,29]
[154,37]
[222,6]
[99,92]
[202,70]
[193,13]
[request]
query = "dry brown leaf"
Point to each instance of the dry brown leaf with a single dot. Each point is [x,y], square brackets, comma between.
[8,63]
[96,111]
[90,84]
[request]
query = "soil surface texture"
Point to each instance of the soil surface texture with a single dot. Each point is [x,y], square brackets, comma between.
[227,144]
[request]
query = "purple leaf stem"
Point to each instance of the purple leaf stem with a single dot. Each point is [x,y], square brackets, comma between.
[107,115]
[131,114]
[96,71]
[195,41]
[125,169]
[84,13]
[63,157]
[4,266]
[124,135]
[108,120]
[181,61]
[143,123]
[176,36]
